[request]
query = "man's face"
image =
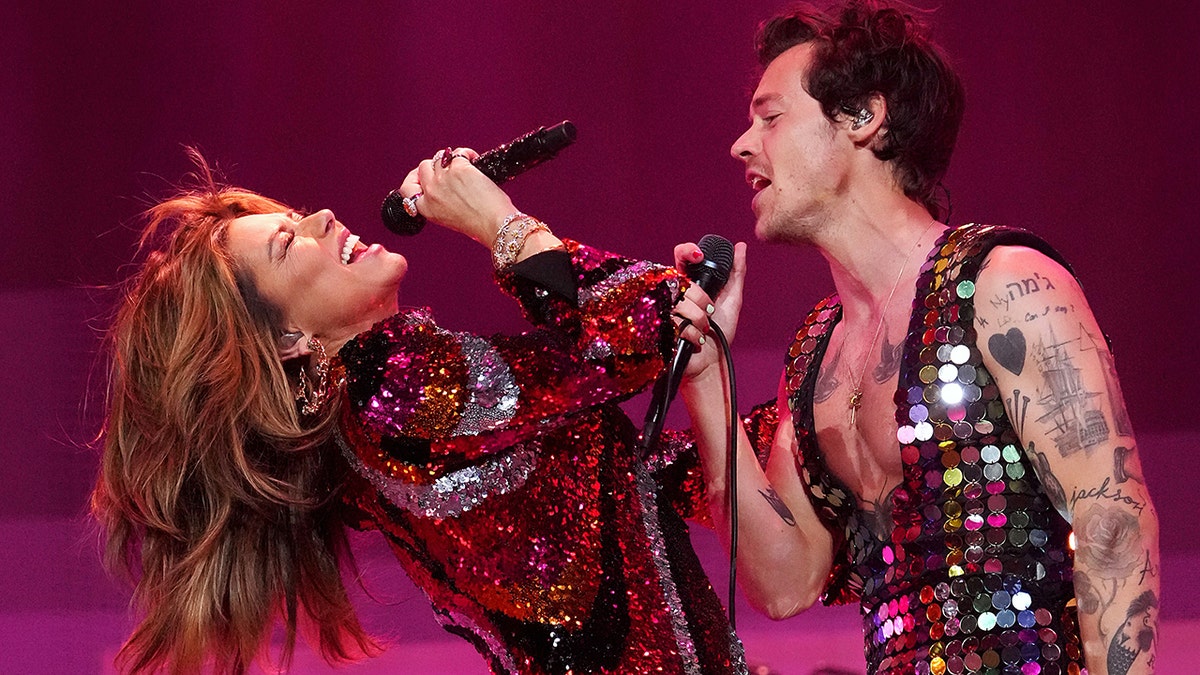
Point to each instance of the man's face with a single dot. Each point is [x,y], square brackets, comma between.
[795,157]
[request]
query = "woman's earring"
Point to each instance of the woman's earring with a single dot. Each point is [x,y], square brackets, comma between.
[312,396]
[289,340]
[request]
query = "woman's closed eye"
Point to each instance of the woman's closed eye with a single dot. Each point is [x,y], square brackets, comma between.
[281,241]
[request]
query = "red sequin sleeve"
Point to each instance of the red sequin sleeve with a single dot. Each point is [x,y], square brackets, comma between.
[429,395]
[677,469]
[679,475]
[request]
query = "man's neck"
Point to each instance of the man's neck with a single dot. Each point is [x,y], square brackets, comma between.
[873,247]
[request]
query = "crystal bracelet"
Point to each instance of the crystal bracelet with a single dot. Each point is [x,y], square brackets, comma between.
[515,229]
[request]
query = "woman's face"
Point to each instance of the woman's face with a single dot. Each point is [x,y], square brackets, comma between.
[324,281]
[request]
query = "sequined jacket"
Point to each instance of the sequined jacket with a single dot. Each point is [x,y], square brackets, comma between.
[976,575]
[504,476]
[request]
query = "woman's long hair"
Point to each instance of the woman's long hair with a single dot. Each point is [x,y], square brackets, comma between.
[214,497]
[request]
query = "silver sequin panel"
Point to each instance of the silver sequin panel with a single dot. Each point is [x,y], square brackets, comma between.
[458,491]
[683,638]
[492,389]
[453,619]
[599,290]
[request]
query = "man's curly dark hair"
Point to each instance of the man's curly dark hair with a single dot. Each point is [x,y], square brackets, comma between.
[867,48]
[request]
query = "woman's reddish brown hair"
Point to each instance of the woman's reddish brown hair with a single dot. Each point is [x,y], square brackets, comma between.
[215,499]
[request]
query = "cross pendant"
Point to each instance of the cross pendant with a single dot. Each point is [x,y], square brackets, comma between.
[855,403]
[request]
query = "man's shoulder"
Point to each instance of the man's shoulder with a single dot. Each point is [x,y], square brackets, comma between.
[979,240]
[818,320]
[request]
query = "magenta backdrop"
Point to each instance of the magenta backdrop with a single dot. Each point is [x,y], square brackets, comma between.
[1080,126]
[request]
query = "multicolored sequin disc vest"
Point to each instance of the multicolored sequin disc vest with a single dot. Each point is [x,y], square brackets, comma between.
[976,576]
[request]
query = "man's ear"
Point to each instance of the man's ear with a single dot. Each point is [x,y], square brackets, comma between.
[866,123]
[292,344]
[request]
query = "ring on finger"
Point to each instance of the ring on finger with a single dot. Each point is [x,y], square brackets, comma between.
[445,156]
[410,204]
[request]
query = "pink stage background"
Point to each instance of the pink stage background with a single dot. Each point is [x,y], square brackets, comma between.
[1080,126]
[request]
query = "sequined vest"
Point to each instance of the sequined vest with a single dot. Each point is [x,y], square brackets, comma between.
[976,575]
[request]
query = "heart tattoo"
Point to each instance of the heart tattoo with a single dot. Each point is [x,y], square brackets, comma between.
[1009,350]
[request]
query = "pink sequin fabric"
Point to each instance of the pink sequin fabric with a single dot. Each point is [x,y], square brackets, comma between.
[505,478]
[976,575]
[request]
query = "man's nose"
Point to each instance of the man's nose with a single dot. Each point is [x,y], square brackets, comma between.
[743,147]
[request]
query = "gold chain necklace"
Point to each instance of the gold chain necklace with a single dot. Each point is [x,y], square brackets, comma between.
[856,393]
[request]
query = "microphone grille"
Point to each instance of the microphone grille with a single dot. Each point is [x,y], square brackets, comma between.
[396,218]
[719,251]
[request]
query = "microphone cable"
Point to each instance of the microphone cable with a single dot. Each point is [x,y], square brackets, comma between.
[732,489]
[731,451]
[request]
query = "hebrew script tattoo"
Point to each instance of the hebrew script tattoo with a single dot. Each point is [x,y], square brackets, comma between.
[776,503]
[1028,286]
[1019,289]
[827,379]
[1074,416]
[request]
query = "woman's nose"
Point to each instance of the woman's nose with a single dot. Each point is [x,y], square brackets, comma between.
[317,224]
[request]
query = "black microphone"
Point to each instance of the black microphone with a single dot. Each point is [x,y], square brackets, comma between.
[499,164]
[710,274]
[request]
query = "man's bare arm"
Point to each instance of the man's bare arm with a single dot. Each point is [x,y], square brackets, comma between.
[1049,358]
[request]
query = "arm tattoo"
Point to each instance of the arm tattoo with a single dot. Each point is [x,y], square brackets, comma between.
[776,503]
[1009,350]
[1109,547]
[1017,290]
[1149,569]
[1136,636]
[1028,286]
[1115,396]
[1054,489]
[1074,417]
[1103,491]
[1120,471]
[1087,596]
[1108,542]
[1018,408]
